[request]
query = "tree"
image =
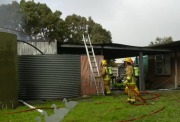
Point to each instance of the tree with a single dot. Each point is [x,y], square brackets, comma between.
[78,25]
[41,22]
[160,41]
[98,34]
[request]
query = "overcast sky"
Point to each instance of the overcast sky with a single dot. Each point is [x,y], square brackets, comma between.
[131,22]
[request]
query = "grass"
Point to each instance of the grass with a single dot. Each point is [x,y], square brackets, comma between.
[107,109]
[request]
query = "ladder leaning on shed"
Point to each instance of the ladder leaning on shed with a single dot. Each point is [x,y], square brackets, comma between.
[93,65]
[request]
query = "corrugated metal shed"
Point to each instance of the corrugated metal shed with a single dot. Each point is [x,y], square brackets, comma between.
[111,50]
[49,76]
[174,46]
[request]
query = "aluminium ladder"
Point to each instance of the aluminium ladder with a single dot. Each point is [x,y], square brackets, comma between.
[93,65]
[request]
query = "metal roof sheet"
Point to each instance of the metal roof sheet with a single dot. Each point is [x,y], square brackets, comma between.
[111,51]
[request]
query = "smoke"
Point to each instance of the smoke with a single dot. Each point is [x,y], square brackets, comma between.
[11,19]
[5,2]
[20,35]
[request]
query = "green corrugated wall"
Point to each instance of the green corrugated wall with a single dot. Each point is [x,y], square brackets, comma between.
[8,71]
[145,64]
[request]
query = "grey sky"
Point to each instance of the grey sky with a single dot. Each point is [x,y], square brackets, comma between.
[131,22]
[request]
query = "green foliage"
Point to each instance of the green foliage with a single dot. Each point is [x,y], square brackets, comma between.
[107,109]
[98,34]
[80,25]
[77,26]
[41,22]
[160,41]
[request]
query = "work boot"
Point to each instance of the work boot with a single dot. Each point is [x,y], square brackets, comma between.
[128,100]
[132,101]
[108,93]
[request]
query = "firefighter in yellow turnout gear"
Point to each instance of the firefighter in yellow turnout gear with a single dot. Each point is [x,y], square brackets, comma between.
[106,77]
[130,81]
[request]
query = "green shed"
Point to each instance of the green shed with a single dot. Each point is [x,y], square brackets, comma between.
[8,71]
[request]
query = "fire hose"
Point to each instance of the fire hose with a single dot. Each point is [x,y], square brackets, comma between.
[138,94]
[136,118]
[143,116]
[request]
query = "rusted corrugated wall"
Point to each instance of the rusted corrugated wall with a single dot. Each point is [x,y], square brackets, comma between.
[87,83]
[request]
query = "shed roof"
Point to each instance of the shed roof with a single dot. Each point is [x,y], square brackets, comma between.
[111,50]
[171,46]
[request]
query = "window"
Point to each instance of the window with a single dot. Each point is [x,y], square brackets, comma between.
[162,64]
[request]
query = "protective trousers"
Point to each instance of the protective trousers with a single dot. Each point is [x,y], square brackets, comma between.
[132,90]
[107,86]
[131,94]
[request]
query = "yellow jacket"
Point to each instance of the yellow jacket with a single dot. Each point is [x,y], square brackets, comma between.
[131,80]
[104,73]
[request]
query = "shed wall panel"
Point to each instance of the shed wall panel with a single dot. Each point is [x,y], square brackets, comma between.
[87,83]
[8,71]
[160,81]
[49,76]
[45,47]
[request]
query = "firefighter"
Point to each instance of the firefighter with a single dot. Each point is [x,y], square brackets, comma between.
[111,65]
[130,81]
[106,76]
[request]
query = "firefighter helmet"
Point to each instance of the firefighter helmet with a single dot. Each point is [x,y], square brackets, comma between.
[128,60]
[104,62]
